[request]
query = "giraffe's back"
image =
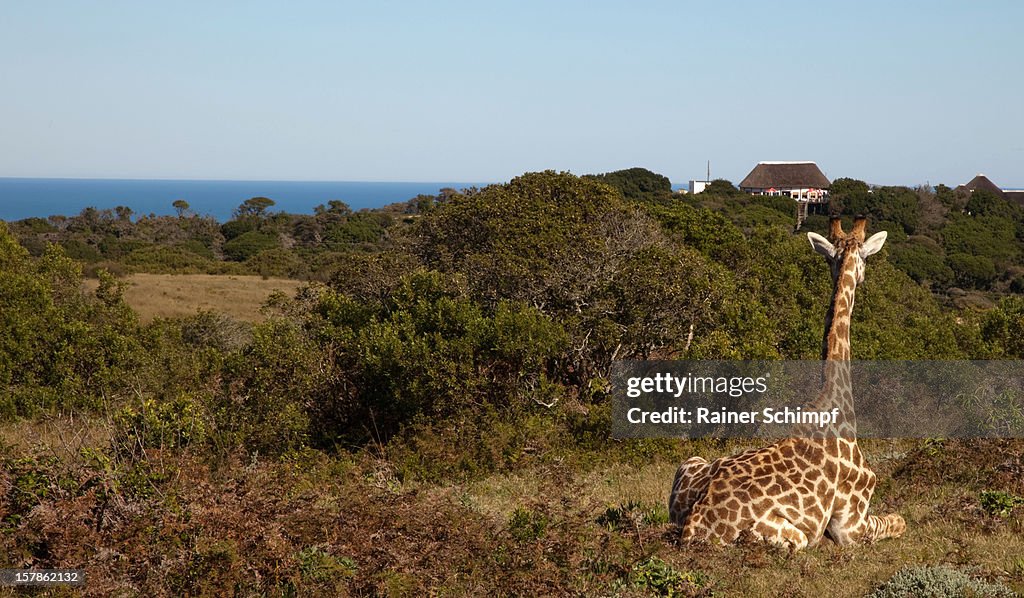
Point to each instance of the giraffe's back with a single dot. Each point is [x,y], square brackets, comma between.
[781,493]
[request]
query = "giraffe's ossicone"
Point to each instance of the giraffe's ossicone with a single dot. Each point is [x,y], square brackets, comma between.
[799,489]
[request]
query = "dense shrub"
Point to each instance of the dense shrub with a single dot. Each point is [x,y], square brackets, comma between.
[972,271]
[82,251]
[638,184]
[236,228]
[1003,328]
[278,262]
[248,244]
[114,248]
[361,227]
[429,350]
[165,424]
[922,259]
[55,336]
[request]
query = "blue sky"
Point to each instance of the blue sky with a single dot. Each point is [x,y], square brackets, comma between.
[896,92]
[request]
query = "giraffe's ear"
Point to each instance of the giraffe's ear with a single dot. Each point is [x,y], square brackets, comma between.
[821,245]
[873,245]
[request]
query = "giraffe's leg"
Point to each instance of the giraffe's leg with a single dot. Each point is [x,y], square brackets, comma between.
[782,532]
[867,529]
[689,486]
[851,524]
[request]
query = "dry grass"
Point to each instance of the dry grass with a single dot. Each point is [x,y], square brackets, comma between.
[246,526]
[175,295]
[945,524]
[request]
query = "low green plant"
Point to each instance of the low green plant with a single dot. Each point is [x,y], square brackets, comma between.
[33,479]
[625,516]
[527,525]
[938,582]
[662,579]
[999,503]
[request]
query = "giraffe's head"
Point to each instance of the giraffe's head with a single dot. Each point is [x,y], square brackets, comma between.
[841,247]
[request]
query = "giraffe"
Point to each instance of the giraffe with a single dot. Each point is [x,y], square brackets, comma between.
[799,489]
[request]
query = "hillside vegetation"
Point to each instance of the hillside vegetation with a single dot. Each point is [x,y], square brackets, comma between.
[430,412]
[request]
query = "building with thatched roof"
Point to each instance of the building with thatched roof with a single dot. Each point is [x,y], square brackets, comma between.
[803,181]
[981,183]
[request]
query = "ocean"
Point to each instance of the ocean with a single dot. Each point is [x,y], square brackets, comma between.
[27,197]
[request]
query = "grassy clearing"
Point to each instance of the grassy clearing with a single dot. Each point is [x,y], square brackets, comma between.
[175,295]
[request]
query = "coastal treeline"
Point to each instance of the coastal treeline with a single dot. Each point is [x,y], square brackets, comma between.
[963,246]
[439,341]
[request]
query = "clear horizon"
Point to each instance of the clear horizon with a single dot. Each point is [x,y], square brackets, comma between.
[890,93]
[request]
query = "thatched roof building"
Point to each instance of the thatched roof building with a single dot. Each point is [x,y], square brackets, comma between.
[785,175]
[799,180]
[981,183]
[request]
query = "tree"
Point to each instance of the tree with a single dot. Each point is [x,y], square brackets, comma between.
[255,207]
[334,206]
[124,213]
[181,206]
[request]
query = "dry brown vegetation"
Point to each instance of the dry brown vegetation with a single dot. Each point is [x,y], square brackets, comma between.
[313,524]
[176,295]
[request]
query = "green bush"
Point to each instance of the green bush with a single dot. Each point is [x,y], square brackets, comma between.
[80,250]
[278,262]
[1003,328]
[236,228]
[270,388]
[433,351]
[115,248]
[55,336]
[361,227]
[938,582]
[33,225]
[972,271]
[198,247]
[249,244]
[922,259]
[637,184]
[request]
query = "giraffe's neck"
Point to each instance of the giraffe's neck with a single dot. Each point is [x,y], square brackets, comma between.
[837,390]
[836,344]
